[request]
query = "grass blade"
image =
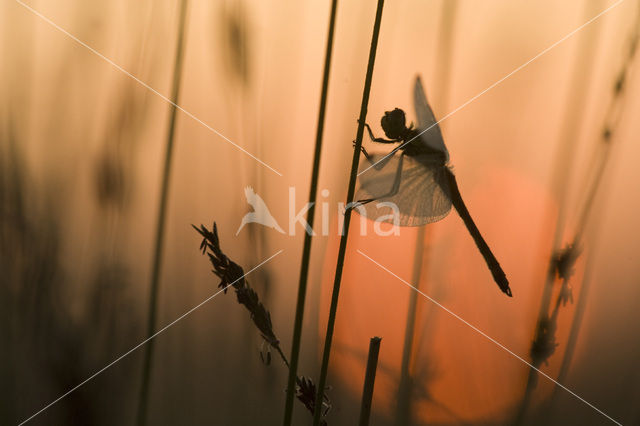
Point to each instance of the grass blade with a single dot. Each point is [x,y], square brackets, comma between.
[162,217]
[306,250]
[369,381]
[347,216]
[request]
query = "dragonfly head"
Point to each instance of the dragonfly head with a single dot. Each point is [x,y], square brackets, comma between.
[394,124]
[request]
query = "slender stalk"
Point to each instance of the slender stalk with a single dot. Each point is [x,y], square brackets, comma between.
[306,249]
[600,161]
[571,341]
[563,165]
[347,217]
[369,380]
[584,290]
[161,220]
[405,386]
[443,72]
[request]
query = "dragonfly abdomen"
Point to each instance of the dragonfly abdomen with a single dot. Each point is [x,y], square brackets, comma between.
[494,266]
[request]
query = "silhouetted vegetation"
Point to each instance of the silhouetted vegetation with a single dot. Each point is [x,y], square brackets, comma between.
[232,275]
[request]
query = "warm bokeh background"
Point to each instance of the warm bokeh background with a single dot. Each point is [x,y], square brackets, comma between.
[81,153]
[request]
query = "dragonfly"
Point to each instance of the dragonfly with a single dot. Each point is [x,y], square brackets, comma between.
[417,178]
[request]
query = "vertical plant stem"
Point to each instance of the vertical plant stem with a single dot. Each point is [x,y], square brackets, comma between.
[443,72]
[563,166]
[572,339]
[586,282]
[369,380]
[601,159]
[306,249]
[404,395]
[161,220]
[347,217]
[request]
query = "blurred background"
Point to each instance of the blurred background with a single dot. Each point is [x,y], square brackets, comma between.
[544,160]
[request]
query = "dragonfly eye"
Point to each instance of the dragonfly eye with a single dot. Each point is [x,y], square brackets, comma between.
[394,123]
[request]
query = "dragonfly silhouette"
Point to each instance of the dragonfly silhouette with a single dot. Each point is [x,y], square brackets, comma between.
[416,177]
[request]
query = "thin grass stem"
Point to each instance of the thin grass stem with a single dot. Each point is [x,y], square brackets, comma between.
[143,401]
[347,218]
[562,261]
[369,381]
[306,249]
[563,166]
[442,79]
[405,386]
[586,282]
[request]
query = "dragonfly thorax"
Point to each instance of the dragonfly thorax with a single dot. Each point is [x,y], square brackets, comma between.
[414,147]
[394,124]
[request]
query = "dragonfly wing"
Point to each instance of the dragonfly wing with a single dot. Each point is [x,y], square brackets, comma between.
[421,198]
[427,123]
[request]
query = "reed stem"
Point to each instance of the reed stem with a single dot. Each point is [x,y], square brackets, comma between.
[599,163]
[369,380]
[306,249]
[586,282]
[143,401]
[563,165]
[421,253]
[347,217]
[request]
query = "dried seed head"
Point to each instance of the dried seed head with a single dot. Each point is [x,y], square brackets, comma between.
[232,274]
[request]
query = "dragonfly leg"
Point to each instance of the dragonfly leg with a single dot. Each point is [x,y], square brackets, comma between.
[394,189]
[376,165]
[379,140]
